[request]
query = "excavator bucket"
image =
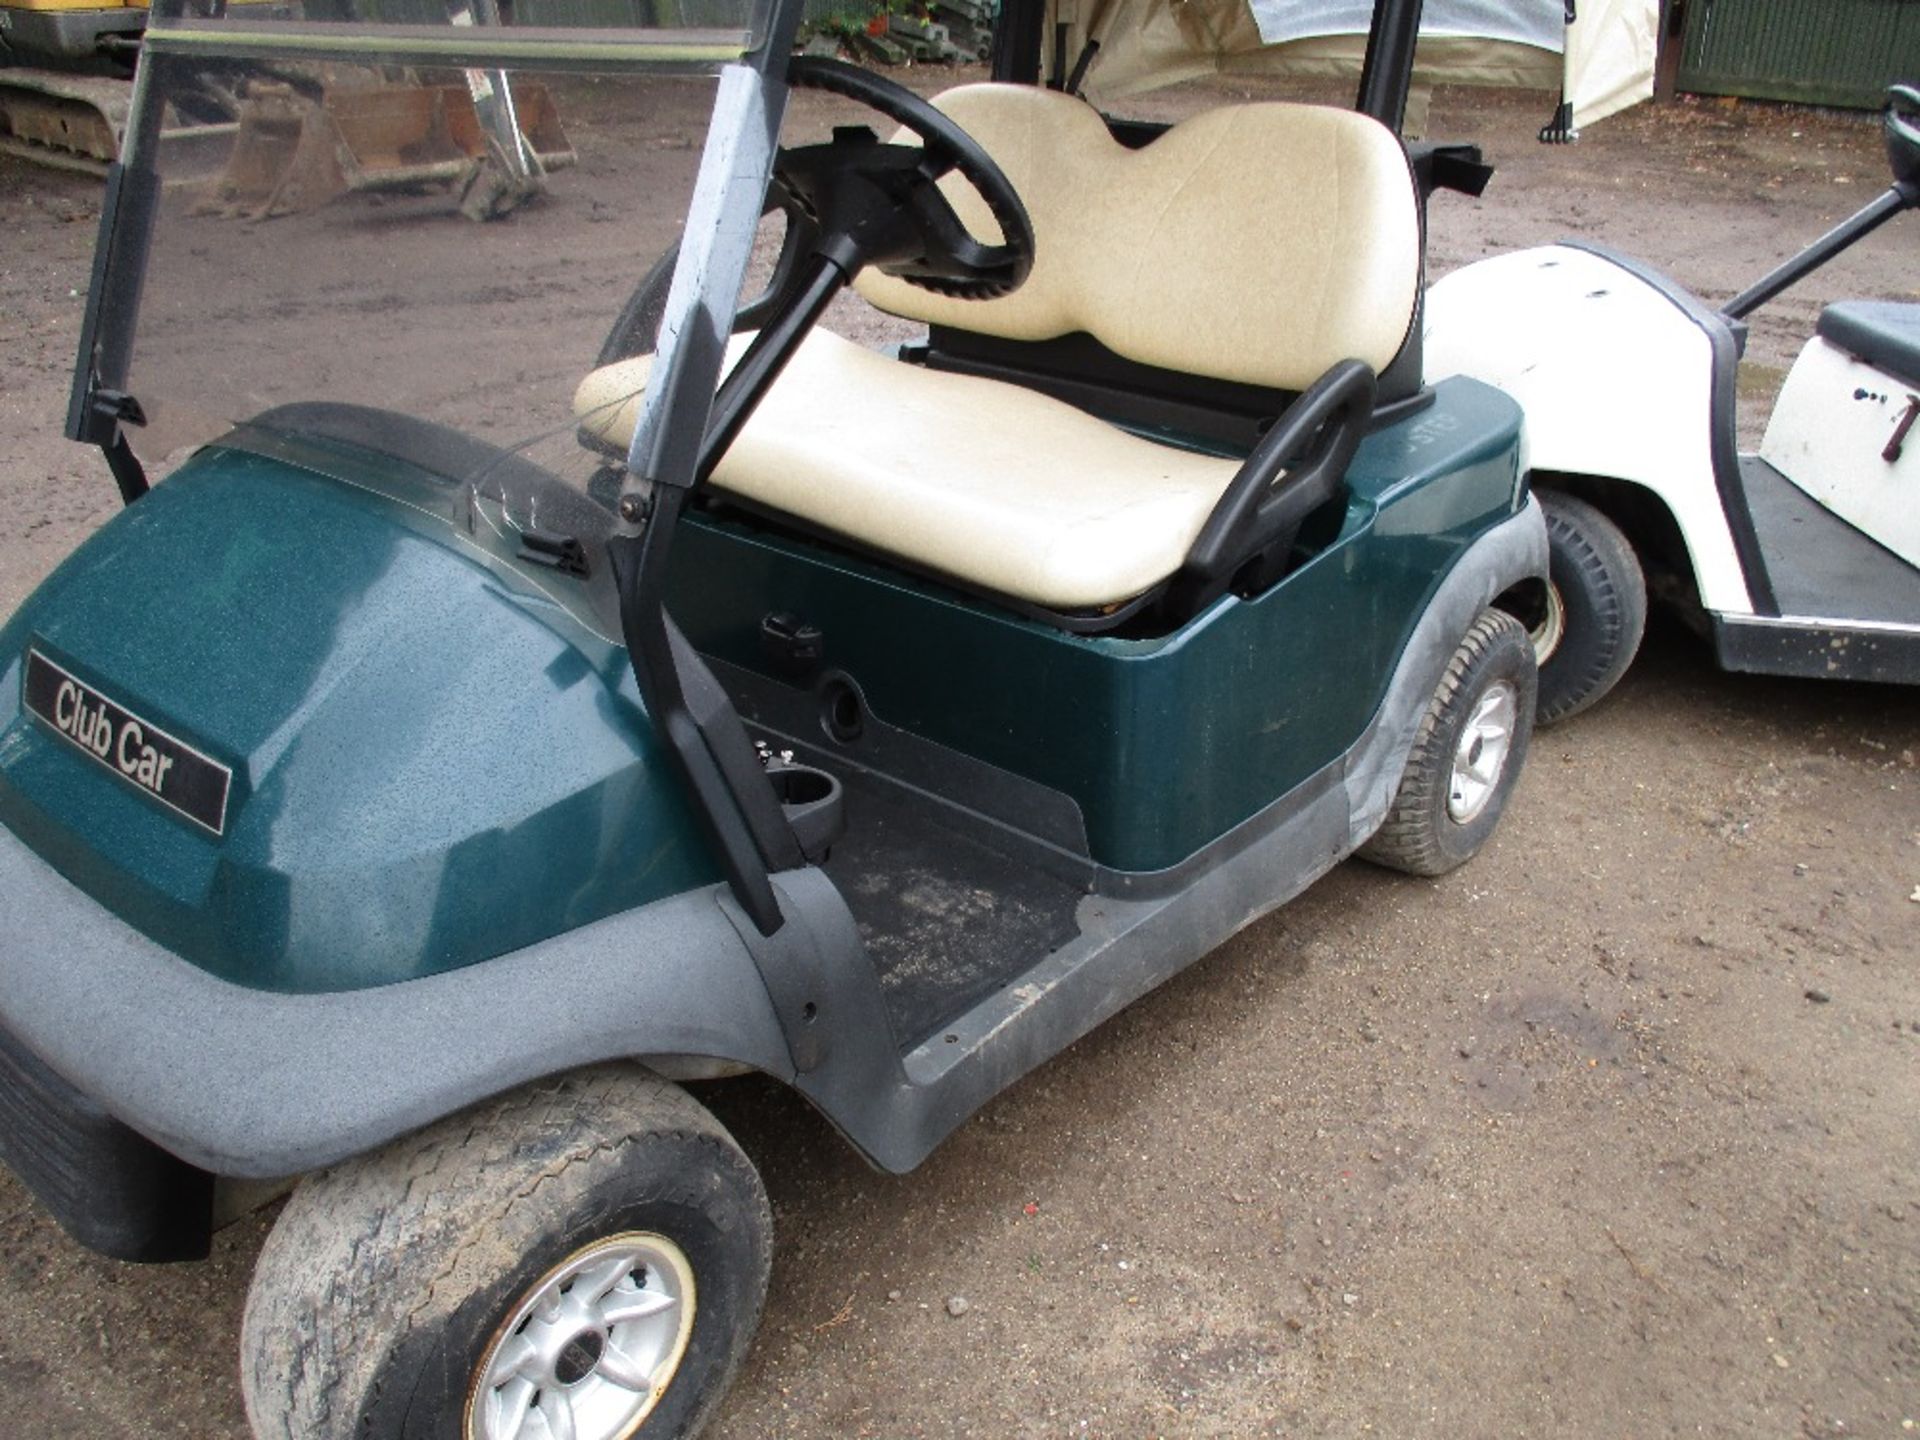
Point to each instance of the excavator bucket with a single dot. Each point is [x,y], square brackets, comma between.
[295,153]
[283,161]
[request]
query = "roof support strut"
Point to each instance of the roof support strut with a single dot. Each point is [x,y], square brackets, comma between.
[1388,71]
[1017,42]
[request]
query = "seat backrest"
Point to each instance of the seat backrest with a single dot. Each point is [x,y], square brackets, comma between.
[1257,243]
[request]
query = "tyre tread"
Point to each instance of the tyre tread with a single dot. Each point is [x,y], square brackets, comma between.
[1407,838]
[311,1352]
[1610,573]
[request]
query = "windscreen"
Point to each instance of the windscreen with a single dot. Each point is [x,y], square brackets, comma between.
[400,276]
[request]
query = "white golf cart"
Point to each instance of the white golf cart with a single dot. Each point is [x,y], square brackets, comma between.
[1801,560]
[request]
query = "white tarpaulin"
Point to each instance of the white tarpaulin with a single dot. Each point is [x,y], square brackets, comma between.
[1600,64]
[1540,23]
[1611,50]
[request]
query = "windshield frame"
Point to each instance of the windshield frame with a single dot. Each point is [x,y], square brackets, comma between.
[182,34]
[688,708]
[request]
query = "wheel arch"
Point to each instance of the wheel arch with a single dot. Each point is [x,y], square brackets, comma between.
[1646,518]
[1506,558]
[1621,378]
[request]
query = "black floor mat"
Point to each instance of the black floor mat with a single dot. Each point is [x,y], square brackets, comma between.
[1821,567]
[947,919]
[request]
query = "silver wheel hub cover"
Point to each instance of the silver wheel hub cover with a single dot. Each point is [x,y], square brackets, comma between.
[1480,757]
[588,1350]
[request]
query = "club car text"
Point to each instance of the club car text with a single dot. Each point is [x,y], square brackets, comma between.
[136,750]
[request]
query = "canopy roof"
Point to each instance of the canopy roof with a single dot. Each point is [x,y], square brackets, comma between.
[1601,63]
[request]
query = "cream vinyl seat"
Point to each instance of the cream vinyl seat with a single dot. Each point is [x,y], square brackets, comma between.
[1258,243]
[991,483]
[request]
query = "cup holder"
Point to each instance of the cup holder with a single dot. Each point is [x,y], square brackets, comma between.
[814,803]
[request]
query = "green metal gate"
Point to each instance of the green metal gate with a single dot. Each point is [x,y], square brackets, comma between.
[1824,52]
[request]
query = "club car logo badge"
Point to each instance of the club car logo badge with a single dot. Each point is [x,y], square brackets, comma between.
[138,751]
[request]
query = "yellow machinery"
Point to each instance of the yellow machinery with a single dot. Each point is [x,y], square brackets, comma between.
[64,96]
[63,71]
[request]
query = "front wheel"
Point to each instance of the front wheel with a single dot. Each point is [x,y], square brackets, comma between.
[584,1259]
[1596,608]
[1466,755]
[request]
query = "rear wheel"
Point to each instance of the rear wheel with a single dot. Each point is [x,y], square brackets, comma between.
[580,1260]
[1466,755]
[1596,608]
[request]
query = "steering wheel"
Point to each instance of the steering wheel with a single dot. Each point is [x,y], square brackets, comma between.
[1903,135]
[884,201]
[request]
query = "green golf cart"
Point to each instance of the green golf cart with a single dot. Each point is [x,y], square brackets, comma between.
[455,747]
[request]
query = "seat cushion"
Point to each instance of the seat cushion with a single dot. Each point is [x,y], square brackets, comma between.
[1883,333]
[1258,243]
[989,483]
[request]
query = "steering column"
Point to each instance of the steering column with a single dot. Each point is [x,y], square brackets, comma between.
[857,201]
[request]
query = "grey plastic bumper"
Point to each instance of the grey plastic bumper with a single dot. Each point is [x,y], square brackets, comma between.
[253,1084]
[1510,553]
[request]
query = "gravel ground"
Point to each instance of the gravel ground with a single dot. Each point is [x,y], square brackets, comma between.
[1611,1133]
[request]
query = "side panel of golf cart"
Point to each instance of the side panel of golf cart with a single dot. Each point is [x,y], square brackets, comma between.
[1271,758]
[1841,431]
[1618,379]
[1293,774]
[1149,749]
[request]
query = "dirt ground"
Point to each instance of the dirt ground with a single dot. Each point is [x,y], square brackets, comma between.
[1611,1133]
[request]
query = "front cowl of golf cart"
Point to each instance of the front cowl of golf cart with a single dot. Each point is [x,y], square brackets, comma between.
[278,725]
[330,804]
[326,811]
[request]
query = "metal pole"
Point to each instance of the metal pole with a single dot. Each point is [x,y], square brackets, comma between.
[1388,72]
[1016,42]
[1855,227]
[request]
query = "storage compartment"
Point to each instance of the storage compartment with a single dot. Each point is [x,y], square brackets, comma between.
[1836,433]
